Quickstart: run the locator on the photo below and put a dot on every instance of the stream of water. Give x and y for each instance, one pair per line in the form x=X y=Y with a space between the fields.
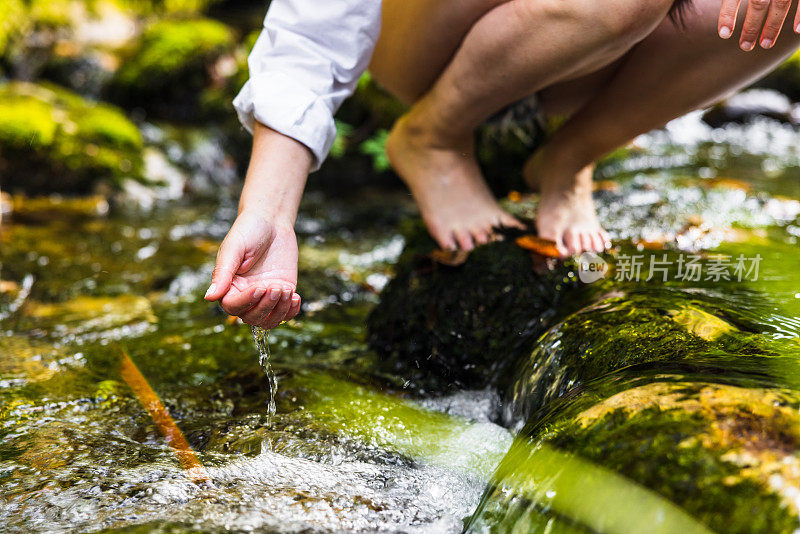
x=347 y=445
x=261 y=339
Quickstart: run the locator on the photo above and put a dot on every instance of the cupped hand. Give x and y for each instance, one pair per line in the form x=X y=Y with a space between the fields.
x=762 y=23
x=255 y=276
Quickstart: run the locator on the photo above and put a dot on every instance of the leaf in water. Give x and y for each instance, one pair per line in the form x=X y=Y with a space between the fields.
x=451 y=258
x=606 y=185
x=543 y=247
x=728 y=183
x=650 y=244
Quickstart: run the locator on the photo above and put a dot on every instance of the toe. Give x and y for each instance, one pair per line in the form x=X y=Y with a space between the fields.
x=507 y=220
x=586 y=242
x=572 y=242
x=464 y=240
x=481 y=236
x=444 y=239
x=598 y=244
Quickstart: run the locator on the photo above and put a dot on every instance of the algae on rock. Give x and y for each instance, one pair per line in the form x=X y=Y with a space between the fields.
x=166 y=73
x=52 y=140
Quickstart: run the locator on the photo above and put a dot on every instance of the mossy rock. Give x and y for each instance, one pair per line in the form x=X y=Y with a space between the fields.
x=171 y=67
x=727 y=455
x=786 y=78
x=467 y=323
x=165 y=7
x=12 y=21
x=52 y=140
x=639 y=328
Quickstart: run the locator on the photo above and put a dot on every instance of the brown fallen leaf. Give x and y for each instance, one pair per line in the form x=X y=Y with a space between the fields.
x=651 y=244
x=606 y=185
x=543 y=247
x=728 y=183
x=451 y=258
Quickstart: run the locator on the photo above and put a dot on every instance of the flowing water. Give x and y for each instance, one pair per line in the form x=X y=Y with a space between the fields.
x=261 y=339
x=110 y=356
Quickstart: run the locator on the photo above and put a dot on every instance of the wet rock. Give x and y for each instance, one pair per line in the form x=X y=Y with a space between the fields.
x=52 y=140
x=85 y=314
x=654 y=327
x=166 y=72
x=786 y=78
x=744 y=106
x=42 y=210
x=439 y=325
x=727 y=455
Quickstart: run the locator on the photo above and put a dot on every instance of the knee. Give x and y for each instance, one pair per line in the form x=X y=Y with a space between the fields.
x=631 y=20
x=617 y=20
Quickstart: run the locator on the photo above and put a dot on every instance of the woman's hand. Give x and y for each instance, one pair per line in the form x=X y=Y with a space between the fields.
x=255 y=276
x=764 y=18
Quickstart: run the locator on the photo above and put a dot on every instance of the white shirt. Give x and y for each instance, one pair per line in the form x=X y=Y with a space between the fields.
x=305 y=63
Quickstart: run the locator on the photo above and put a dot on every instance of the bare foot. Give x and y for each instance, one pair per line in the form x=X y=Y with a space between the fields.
x=456 y=204
x=566 y=212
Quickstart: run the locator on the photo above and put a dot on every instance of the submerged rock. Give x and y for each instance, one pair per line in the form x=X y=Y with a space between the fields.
x=728 y=455
x=52 y=140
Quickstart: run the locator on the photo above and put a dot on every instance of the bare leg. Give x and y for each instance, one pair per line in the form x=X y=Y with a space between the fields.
x=515 y=49
x=668 y=74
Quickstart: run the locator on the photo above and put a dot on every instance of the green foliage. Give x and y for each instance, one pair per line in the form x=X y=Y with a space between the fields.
x=165 y=7
x=339 y=147
x=13 y=19
x=54 y=140
x=375 y=148
x=169 y=69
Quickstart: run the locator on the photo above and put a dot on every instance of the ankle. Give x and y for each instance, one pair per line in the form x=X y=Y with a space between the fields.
x=425 y=124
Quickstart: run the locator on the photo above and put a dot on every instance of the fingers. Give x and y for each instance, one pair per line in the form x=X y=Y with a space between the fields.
x=796 y=24
x=237 y=302
x=259 y=313
x=727 y=18
x=753 y=22
x=778 y=11
x=229 y=258
x=281 y=310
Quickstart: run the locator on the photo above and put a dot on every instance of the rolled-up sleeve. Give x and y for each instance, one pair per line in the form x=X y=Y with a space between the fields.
x=305 y=63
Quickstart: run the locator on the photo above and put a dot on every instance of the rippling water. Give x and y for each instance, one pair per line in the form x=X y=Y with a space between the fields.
x=342 y=445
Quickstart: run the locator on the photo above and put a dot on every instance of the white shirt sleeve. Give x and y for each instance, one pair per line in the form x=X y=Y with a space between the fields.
x=305 y=63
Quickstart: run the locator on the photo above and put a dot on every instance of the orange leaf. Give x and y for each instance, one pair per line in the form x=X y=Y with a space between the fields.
x=163 y=420
x=543 y=247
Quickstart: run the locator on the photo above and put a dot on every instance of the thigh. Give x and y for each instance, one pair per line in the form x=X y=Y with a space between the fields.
x=418 y=39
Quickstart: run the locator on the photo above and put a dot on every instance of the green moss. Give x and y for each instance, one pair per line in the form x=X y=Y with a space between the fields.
x=698 y=474
x=169 y=69
x=165 y=7
x=54 y=140
x=466 y=323
x=12 y=21
x=714 y=450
